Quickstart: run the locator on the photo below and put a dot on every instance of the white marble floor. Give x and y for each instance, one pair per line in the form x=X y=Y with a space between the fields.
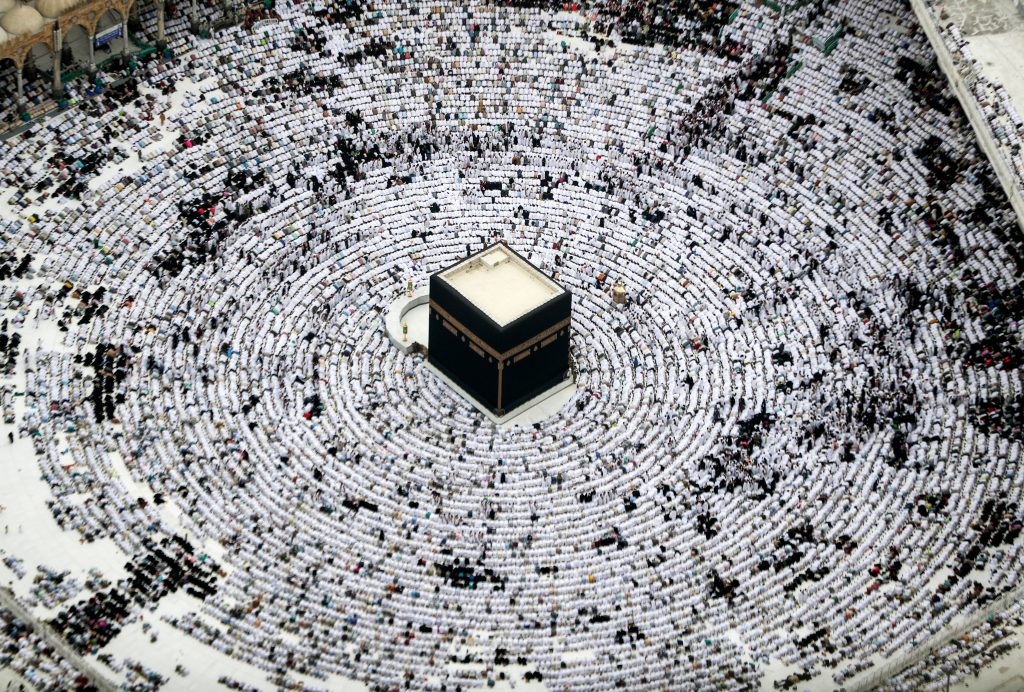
x=994 y=30
x=1001 y=57
x=28 y=530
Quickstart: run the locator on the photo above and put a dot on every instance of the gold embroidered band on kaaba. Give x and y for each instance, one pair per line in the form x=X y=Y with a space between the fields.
x=480 y=344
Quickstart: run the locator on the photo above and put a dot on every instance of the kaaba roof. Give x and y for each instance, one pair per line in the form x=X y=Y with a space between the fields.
x=501 y=284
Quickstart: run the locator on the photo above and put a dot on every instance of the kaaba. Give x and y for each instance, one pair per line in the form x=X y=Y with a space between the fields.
x=499 y=328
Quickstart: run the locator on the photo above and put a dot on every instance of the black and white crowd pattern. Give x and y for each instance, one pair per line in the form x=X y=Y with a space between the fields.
x=796 y=448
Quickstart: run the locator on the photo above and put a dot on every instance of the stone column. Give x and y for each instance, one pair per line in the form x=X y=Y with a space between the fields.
x=58 y=46
x=161 y=40
x=124 y=36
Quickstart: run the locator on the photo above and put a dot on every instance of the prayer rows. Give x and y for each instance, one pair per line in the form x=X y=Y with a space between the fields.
x=794 y=445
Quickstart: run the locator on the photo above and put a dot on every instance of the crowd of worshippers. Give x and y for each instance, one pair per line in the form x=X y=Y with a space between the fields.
x=817 y=414
x=966 y=656
x=996 y=104
x=109 y=82
x=10 y=346
x=26 y=653
x=163 y=569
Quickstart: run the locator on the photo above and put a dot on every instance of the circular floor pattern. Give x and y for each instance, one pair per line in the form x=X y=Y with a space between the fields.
x=751 y=437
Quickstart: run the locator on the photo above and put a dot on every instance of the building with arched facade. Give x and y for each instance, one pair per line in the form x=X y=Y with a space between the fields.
x=47 y=23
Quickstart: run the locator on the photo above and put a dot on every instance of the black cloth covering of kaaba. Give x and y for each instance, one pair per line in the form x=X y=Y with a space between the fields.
x=501 y=367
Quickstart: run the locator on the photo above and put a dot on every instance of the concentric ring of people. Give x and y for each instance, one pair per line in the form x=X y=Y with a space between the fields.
x=793 y=444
